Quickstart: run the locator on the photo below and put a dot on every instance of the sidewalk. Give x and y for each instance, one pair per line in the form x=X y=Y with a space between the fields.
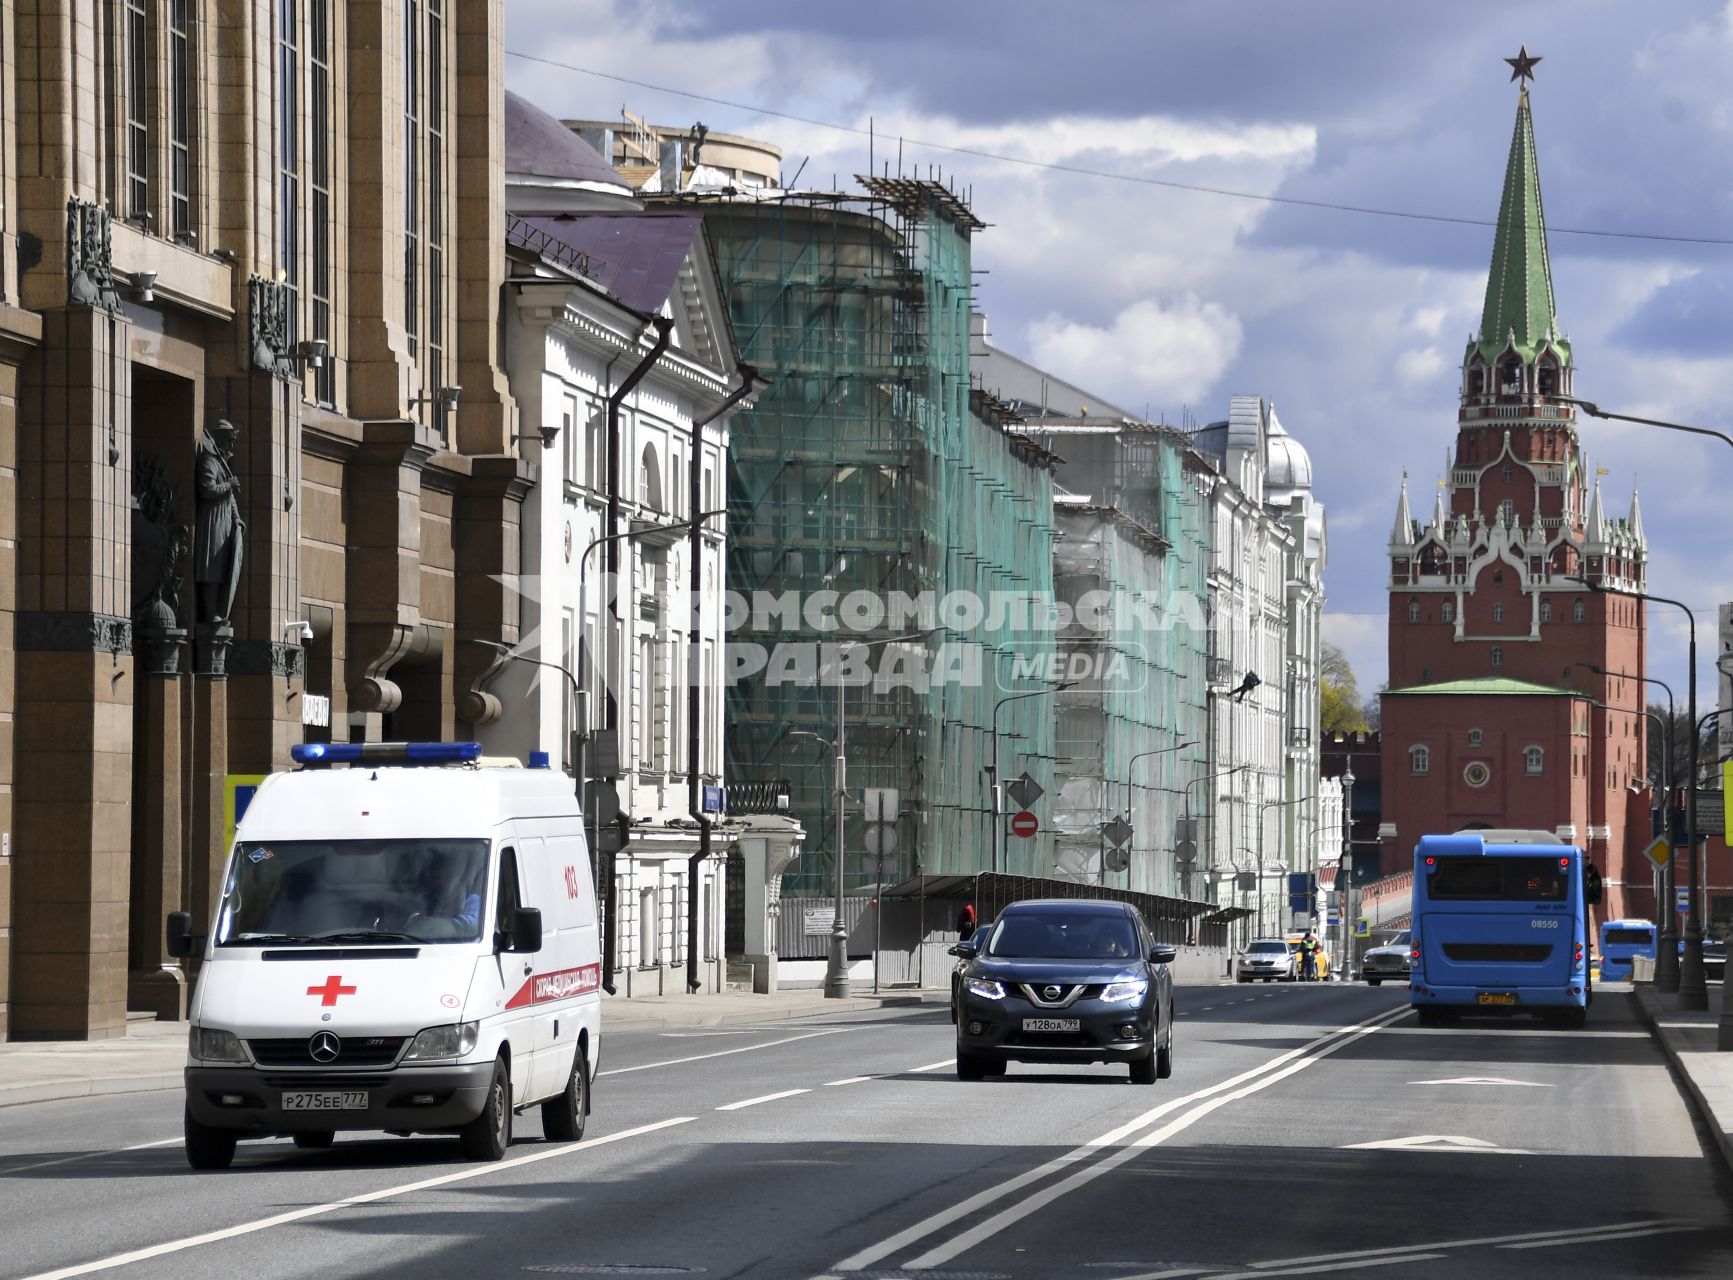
x=151 y=1054
x=1688 y=1040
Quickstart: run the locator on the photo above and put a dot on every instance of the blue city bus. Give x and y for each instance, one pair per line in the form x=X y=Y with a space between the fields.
x=1500 y=926
x=1621 y=942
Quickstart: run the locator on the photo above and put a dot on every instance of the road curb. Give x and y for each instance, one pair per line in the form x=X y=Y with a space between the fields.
x=64 y=1090
x=1700 y=1104
x=636 y=1020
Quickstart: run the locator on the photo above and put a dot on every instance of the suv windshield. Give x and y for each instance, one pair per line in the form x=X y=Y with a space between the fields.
x=1068 y=935
x=1268 y=948
x=296 y=892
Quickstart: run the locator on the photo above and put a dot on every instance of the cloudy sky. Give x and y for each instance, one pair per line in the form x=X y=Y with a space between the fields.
x=1170 y=300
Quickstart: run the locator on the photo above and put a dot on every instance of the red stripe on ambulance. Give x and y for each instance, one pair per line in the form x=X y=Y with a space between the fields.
x=559 y=985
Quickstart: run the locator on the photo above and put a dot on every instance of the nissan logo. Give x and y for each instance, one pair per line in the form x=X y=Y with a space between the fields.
x=324 y=1047
x=1051 y=993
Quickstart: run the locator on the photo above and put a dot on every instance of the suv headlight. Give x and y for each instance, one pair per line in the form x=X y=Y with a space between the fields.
x=986 y=988
x=451 y=1041
x=1119 y=992
x=207 y=1044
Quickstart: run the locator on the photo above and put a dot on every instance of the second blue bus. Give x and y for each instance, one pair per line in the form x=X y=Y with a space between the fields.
x=1500 y=926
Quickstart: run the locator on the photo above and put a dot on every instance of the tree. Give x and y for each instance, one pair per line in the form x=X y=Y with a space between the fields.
x=1338 y=693
x=1373 y=709
x=1679 y=733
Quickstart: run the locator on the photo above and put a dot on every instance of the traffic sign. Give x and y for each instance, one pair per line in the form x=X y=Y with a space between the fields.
x=1024 y=824
x=880 y=839
x=1025 y=791
x=1659 y=852
x=1118 y=832
x=1682 y=895
x=1362 y=928
x=1116 y=859
x=881 y=804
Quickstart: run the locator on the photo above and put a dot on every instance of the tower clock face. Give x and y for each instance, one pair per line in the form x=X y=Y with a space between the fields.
x=1476 y=773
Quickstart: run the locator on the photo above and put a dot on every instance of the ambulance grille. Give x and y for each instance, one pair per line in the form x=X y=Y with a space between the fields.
x=359 y=1051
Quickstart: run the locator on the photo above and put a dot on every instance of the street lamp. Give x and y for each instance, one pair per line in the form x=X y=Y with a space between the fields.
x=1666 y=934
x=836 y=970
x=996 y=834
x=1268 y=804
x=1345 y=869
x=1130 y=771
x=1693 y=989
x=1599 y=412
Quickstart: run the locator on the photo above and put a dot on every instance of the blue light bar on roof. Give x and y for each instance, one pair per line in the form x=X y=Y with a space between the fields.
x=385 y=752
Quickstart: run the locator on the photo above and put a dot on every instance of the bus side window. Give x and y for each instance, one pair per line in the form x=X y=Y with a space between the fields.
x=1591 y=884
x=506 y=909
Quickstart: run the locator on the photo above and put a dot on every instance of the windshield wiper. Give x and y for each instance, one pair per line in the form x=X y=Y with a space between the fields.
x=252 y=939
x=364 y=935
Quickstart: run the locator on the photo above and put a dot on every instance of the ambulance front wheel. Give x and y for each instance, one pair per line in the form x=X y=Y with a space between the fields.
x=208 y=1147
x=488 y=1135
x=563 y=1115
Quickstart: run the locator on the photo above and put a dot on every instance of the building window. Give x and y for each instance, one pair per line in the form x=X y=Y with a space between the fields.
x=289 y=157
x=1474 y=737
x=1419 y=760
x=650 y=480
x=649 y=930
x=1414 y=611
x=1546 y=610
x=1447 y=611
x=412 y=141
x=1507 y=475
x=1576 y=611
x=595 y=447
x=1498 y=612
x=135 y=147
x=1497 y=657
x=181 y=120
x=1532 y=760
x=1506 y=511
x=435 y=234
x=319 y=221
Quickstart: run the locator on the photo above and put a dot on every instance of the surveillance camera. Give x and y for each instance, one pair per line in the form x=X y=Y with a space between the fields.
x=449 y=395
x=143 y=285
x=298 y=629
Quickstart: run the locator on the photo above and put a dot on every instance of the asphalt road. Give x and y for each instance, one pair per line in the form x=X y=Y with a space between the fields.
x=1307 y=1130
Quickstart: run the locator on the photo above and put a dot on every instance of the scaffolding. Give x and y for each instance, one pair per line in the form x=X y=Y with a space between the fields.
x=864 y=473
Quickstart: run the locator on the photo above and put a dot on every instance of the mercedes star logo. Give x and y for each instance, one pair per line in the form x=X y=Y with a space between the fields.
x=1050 y=993
x=324 y=1047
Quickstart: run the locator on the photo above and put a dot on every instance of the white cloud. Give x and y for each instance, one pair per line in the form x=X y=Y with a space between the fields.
x=1423 y=365
x=1173 y=353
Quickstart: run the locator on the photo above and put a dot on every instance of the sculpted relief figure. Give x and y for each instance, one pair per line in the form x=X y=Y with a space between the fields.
x=217 y=567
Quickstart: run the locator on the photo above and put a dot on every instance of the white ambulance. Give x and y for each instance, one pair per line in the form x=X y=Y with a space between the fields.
x=406 y=944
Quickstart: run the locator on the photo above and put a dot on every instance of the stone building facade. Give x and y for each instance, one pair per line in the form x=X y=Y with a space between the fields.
x=286 y=216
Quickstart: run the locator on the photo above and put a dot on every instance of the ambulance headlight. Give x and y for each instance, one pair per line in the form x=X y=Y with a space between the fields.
x=207 y=1044
x=444 y=1042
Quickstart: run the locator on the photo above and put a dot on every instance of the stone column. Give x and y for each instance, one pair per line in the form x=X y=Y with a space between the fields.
x=154 y=978
x=767 y=846
x=207 y=751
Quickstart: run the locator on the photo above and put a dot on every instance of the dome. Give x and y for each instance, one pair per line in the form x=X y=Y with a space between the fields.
x=1289 y=466
x=537 y=146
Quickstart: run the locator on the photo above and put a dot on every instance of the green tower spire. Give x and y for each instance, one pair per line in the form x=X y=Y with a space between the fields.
x=1519 y=296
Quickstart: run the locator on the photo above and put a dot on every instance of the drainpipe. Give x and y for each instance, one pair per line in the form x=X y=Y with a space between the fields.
x=664 y=332
x=694 y=667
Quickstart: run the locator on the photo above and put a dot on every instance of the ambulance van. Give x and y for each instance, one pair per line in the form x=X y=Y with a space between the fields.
x=405 y=940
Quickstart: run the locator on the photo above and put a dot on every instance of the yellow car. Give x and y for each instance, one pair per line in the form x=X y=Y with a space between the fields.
x=1293 y=941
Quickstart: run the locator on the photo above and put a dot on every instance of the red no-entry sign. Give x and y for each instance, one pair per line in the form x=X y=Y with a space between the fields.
x=1024 y=824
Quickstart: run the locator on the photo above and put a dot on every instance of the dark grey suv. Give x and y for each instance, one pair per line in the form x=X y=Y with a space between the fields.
x=1065 y=981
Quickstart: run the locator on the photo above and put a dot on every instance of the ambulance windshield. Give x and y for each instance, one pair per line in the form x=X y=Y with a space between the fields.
x=306 y=892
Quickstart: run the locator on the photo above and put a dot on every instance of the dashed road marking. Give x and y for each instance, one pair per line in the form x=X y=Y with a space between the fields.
x=769 y=1097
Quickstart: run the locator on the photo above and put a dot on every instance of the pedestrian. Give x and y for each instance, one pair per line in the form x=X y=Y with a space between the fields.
x=1309 y=957
x=966 y=922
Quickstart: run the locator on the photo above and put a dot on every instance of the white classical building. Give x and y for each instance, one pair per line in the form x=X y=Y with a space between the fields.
x=621 y=360
x=1266 y=601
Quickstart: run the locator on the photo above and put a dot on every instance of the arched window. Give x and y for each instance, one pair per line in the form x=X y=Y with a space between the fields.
x=1511 y=381
x=1414 y=611
x=1474 y=737
x=1419 y=760
x=1507 y=475
x=1548 y=378
x=1507 y=511
x=1497 y=657
x=1577 y=611
x=1447 y=611
x=1546 y=610
x=1498 y=612
x=1533 y=759
x=1476 y=381
x=650 y=480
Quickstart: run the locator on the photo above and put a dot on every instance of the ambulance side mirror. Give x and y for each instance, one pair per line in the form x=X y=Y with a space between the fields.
x=526 y=930
x=178 y=933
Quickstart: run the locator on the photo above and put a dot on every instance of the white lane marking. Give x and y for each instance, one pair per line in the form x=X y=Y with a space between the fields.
x=832 y=1084
x=1438 y=1142
x=938 y=1221
x=1504 y=1033
x=931 y=1066
x=1525 y=1084
x=1570 y=1233
x=769 y=1097
x=91 y=1155
x=369 y=1197
x=1329 y=1267
x=1597 y=1237
x=721 y=1053
x=1206 y=1008
x=1026 y=1208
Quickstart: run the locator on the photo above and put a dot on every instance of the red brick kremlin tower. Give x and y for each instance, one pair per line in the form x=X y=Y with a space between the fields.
x=1491 y=717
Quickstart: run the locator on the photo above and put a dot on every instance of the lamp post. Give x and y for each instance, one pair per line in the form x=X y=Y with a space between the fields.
x=1130 y=771
x=1345 y=870
x=1268 y=804
x=836 y=969
x=1666 y=933
x=1693 y=989
x=996 y=832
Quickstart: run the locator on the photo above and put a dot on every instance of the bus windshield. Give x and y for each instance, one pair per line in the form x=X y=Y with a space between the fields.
x=1498 y=879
